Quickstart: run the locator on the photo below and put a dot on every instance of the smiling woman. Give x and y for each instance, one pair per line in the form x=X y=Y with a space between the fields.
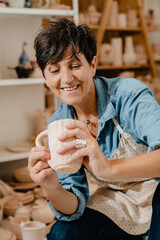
x=110 y=196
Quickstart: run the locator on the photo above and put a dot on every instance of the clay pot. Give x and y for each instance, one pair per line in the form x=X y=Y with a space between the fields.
x=6 y=234
x=14 y=223
x=22 y=174
x=106 y=54
x=11 y=206
x=23 y=211
x=42 y=213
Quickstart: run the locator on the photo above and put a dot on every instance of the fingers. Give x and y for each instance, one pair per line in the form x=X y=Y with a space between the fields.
x=38 y=153
x=75 y=144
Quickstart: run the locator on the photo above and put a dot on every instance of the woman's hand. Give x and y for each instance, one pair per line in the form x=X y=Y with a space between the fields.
x=93 y=157
x=40 y=172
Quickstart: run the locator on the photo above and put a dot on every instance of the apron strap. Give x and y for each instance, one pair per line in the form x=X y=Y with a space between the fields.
x=117 y=126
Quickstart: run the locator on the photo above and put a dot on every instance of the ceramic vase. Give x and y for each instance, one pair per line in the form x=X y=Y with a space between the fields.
x=117 y=49
x=129 y=57
x=113 y=17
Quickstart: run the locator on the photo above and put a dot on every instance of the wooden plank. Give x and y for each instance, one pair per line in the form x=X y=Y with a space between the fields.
x=146 y=37
x=104 y=20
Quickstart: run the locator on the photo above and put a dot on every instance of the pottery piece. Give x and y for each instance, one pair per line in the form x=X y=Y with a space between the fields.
x=106 y=54
x=113 y=17
x=117 y=48
x=59 y=162
x=14 y=223
x=42 y=213
x=21 y=174
x=132 y=18
x=129 y=57
x=33 y=230
x=11 y=206
x=6 y=234
x=129 y=74
x=5 y=189
x=24 y=211
x=122 y=20
x=141 y=54
x=16 y=3
x=1 y=213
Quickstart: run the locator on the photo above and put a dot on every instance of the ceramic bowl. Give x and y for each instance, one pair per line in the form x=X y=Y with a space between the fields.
x=6 y=234
x=22 y=175
x=42 y=213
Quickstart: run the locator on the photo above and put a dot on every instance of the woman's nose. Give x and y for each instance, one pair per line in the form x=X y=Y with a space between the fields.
x=67 y=76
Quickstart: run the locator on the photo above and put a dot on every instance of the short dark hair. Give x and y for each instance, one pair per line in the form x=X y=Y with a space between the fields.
x=52 y=42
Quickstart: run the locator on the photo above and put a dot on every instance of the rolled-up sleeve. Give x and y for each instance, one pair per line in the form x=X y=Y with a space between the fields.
x=77 y=184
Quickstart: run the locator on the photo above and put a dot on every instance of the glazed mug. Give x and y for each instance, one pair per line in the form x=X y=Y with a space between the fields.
x=59 y=162
x=33 y=230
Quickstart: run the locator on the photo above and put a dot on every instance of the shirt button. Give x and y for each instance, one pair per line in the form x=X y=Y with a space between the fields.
x=98 y=139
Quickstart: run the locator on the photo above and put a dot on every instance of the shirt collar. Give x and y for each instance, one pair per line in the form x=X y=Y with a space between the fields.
x=106 y=110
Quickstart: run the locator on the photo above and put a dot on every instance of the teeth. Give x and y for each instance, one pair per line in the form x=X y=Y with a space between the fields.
x=71 y=88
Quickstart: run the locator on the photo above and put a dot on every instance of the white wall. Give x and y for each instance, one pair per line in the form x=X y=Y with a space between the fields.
x=17 y=103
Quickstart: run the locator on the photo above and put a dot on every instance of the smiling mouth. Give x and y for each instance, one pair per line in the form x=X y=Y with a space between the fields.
x=70 y=88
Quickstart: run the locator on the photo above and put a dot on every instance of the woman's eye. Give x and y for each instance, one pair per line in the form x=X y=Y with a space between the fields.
x=75 y=66
x=54 y=71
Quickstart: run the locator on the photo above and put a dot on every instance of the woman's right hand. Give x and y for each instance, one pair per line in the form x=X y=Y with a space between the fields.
x=40 y=171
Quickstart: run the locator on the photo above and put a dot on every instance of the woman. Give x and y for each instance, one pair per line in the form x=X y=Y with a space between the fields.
x=119 y=119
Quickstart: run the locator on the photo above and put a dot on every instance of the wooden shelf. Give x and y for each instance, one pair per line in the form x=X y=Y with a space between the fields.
x=6 y=156
x=107 y=67
x=34 y=12
x=125 y=29
x=21 y=81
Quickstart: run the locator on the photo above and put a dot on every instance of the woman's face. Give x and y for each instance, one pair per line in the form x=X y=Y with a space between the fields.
x=71 y=79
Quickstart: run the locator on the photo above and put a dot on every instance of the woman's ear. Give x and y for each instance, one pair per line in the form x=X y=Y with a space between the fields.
x=94 y=65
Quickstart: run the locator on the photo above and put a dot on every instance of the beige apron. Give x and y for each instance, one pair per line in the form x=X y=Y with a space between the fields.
x=127 y=202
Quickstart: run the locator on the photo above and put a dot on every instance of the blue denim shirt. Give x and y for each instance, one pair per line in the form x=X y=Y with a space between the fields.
x=132 y=103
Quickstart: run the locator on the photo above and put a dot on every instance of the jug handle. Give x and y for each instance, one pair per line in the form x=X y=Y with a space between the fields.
x=40 y=137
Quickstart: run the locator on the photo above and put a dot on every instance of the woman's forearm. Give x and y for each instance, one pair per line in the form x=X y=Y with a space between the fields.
x=62 y=200
x=141 y=166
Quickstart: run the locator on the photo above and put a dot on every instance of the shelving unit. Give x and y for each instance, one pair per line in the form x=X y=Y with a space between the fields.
x=102 y=28
x=20 y=97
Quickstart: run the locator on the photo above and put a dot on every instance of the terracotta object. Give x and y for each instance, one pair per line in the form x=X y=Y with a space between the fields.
x=132 y=18
x=122 y=20
x=11 y=206
x=90 y=17
x=117 y=48
x=129 y=74
x=33 y=230
x=24 y=211
x=141 y=54
x=113 y=17
x=42 y=213
x=106 y=54
x=1 y=213
x=22 y=174
x=6 y=234
x=61 y=165
x=156 y=51
x=129 y=57
x=14 y=223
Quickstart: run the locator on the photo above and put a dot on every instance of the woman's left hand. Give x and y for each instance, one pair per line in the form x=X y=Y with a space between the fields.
x=93 y=157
